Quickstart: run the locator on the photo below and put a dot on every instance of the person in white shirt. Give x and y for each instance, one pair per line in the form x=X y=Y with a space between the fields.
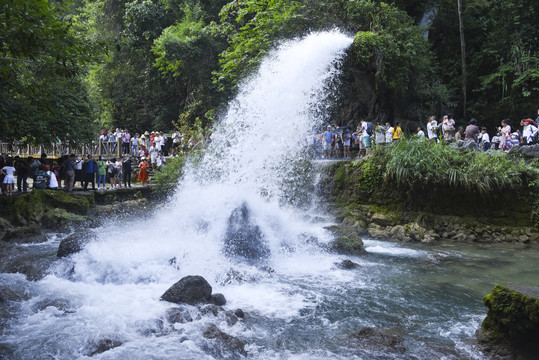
x=529 y=131
x=389 y=133
x=484 y=139
x=420 y=133
x=432 y=127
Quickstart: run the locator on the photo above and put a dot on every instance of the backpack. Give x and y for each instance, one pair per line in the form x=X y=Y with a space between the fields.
x=369 y=128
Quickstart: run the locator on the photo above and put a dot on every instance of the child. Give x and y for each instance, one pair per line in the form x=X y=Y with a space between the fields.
x=484 y=139
x=9 y=179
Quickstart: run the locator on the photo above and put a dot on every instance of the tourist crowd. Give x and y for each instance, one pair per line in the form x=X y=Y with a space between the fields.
x=337 y=142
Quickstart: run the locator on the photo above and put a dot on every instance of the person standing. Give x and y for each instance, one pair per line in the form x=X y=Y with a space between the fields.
x=126 y=141
x=78 y=171
x=22 y=168
x=9 y=180
x=505 y=132
x=529 y=132
x=127 y=169
x=432 y=126
x=143 y=174
x=389 y=133
x=397 y=132
x=420 y=133
x=134 y=144
x=472 y=131
x=70 y=172
x=101 y=172
x=91 y=169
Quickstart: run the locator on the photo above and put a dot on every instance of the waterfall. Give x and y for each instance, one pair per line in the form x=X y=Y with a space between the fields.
x=231 y=220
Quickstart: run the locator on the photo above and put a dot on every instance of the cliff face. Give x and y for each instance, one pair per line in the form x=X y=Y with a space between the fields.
x=380 y=208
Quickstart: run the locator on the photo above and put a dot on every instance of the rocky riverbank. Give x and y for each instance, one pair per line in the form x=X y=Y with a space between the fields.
x=25 y=217
x=379 y=208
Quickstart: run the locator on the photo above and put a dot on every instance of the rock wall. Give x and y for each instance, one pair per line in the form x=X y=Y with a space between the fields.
x=381 y=209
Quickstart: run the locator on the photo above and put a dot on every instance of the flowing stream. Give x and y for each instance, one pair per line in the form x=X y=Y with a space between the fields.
x=422 y=302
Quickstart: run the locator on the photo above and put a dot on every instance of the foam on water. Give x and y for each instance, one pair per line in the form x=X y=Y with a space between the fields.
x=111 y=289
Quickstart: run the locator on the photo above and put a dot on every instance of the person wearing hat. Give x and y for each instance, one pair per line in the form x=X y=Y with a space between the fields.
x=103 y=139
x=529 y=132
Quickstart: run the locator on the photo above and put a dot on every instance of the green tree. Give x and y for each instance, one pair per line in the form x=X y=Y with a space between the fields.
x=42 y=59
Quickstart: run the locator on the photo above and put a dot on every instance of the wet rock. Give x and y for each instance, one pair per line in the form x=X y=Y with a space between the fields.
x=59 y=219
x=30 y=208
x=513 y=317
x=243 y=238
x=100 y=346
x=378 y=341
x=25 y=234
x=149 y=327
x=60 y=304
x=224 y=342
x=346 y=240
x=5 y=225
x=178 y=315
x=189 y=290
x=347 y=265
x=383 y=219
x=239 y=313
x=74 y=243
x=218 y=299
x=210 y=309
x=231 y=318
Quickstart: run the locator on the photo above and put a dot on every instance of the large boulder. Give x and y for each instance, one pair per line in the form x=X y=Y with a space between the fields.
x=346 y=240
x=225 y=343
x=30 y=208
x=191 y=290
x=243 y=237
x=513 y=317
x=59 y=219
x=74 y=243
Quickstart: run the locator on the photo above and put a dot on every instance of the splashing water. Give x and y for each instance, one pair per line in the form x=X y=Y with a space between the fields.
x=233 y=221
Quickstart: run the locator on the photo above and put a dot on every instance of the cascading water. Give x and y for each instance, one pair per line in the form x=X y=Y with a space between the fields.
x=234 y=221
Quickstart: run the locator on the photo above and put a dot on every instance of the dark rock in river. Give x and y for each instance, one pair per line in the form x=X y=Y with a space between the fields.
x=189 y=290
x=225 y=343
x=512 y=322
x=243 y=237
x=347 y=240
x=100 y=346
x=74 y=243
x=179 y=315
x=379 y=341
x=25 y=234
x=218 y=299
x=347 y=265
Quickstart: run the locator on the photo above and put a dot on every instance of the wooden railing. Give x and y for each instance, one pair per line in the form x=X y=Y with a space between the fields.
x=57 y=150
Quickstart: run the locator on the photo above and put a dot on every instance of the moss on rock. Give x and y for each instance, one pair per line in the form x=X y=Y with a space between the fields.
x=30 y=208
x=513 y=314
x=347 y=240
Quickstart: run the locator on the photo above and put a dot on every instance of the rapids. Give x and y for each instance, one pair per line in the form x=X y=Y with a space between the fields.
x=299 y=304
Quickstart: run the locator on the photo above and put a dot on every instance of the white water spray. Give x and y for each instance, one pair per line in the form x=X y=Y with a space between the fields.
x=112 y=287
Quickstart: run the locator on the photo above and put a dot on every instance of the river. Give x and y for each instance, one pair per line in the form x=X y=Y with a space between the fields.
x=421 y=301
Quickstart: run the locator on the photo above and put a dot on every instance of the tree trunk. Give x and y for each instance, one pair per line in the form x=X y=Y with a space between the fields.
x=462 y=57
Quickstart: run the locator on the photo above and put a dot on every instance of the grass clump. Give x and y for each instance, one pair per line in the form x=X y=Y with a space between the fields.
x=415 y=163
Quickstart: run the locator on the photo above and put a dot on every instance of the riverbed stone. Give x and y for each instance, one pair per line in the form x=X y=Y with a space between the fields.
x=379 y=341
x=5 y=225
x=178 y=315
x=224 y=341
x=30 y=207
x=513 y=316
x=74 y=243
x=218 y=299
x=346 y=240
x=59 y=219
x=243 y=237
x=191 y=290
x=30 y=233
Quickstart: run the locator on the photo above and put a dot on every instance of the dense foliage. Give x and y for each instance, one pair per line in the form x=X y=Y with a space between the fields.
x=416 y=163
x=69 y=67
